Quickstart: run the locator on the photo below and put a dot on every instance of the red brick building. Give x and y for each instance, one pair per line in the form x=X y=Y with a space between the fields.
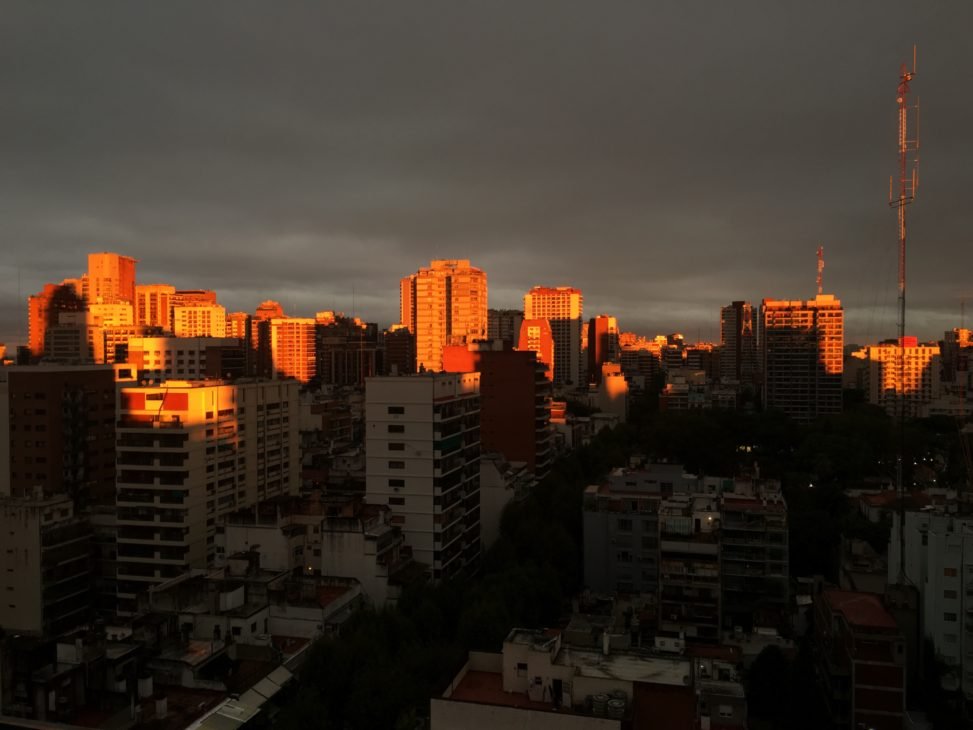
x=860 y=656
x=515 y=402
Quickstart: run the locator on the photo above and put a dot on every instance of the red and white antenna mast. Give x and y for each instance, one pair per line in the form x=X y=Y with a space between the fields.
x=900 y=199
x=908 y=171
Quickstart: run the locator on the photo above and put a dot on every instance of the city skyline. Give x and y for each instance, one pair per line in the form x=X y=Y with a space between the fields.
x=285 y=170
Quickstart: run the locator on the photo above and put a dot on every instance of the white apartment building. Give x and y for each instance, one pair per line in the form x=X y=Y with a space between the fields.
x=939 y=563
x=187 y=454
x=422 y=448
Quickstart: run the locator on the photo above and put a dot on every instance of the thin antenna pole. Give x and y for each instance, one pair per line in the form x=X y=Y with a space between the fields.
x=820 y=270
x=908 y=183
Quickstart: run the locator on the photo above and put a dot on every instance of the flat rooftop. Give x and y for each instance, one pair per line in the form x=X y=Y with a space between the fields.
x=487 y=688
x=862 y=610
x=625 y=666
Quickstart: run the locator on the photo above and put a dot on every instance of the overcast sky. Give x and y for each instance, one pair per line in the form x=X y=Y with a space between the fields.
x=665 y=157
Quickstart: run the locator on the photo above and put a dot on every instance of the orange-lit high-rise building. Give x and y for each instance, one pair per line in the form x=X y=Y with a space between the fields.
x=801 y=356
x=199 y=320
x=111 y=278
x=43 y=311
x=909 y=375
x=153 y=305
x=535 y=336
x=443 y=304
x=602 y=345
x=293 y=347
x=563 y=307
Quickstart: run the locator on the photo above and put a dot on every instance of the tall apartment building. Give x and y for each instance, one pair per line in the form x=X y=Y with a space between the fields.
x=422 y=448
x=57 y=431
x=536 y=337
x=754 y=556
x=443 y=304
x=738 y=337
x=939 y=563
x=346 y=349
x=189 y=453
x=400 y=350
x=153 y=305
x=563 y=307
x=293 y=347
x=801 y=356
x=603 y=345
x=203 y=319
x=504 y=324
x=906 y=375
x=860 y=656
x=45 y=565
x=957 y=352
x=111 y=278
x=689 y=567
x=44 y=310
x=515 y=402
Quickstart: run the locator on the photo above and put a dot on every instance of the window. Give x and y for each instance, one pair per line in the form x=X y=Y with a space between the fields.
x=949 y=594
x=397 y=500
x=236 y=631
x=949 y=616
x=950 y=638
x=625 y=525
x=396 y=428
x=396 y=410
x=949 y=572
x=396 y=447
x=521 y=669
x=726 y=710
x=396 y=483
x=396 y=465
x=253 y=627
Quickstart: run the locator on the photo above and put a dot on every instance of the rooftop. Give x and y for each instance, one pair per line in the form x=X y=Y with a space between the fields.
x=487 y=688
x=862 y=610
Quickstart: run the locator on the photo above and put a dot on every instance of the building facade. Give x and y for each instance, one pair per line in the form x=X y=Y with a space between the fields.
x=738 y=337
x=801 y=347
x=563 y=308
x=57 y=431
x=422 y=448
x=153 y=305
x=443 y=304
x=111 y=278
x=902 y=376
x=189 y=453
x=515 y=402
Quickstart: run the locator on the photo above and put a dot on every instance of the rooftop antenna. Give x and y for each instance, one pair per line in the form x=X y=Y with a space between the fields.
x=820 y=270
x=899 y=200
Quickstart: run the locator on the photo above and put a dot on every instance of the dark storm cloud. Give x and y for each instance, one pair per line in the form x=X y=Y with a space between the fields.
x=664 y=157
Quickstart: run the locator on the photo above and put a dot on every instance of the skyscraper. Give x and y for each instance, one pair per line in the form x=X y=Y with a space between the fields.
x=563 y=307
x=111 y=278
x=153 y=305
x=43 y=312
x=422 y=448
x=444 y=304
x=801 y=355
x=602 y=345
x=738 y=335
